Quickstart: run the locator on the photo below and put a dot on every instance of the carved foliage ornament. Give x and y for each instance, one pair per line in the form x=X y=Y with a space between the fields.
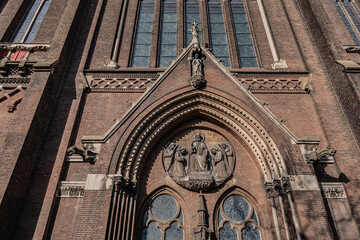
x=196 y=163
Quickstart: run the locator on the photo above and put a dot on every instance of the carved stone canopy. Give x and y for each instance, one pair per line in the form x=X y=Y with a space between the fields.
x=199 y=160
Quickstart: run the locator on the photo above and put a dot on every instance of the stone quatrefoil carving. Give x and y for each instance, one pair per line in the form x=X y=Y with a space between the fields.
x=199 y=166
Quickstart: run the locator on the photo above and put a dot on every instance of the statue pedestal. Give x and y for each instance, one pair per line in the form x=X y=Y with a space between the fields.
x=197 y=181
x=198 y=81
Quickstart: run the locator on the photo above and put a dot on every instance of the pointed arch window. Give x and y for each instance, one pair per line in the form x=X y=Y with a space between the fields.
x=141 y=53
x=163 y=219
x=351 y=18
x=168 y=39
x=31 y=22
x=236 y=219
x=243 y=35
x=192 y=13
x=218 y=37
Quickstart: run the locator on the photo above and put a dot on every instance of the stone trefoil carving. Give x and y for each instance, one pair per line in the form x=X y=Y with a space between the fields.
x=197 y=60
x=201 y=167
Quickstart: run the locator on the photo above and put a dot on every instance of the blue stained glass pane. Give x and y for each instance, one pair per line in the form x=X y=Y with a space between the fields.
x=145 y=27
x=244 y=39
x=250 y=233
x=170 y=17
x=168 y=27
x=218 y=39
x=30 y=17
x=141 y=50
x=236 y=208
x=151 y=232
x=246 y=51
x=248 y=62
x=174 y=232
x=164 y=207
x=140 y=61
x=242 y=28
x=228 y=233
x=216 y=18
x=240 y=17
x=219 y=50
x=168 y=38
x=167 y=50
x=143 y=38
x=192 y=13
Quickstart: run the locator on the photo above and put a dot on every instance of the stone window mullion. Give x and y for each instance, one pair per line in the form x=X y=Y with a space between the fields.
x=233 y=51
x=154 y=50
x=204 y=22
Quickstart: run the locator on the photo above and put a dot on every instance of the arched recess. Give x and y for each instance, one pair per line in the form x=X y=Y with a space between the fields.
x=200 y=103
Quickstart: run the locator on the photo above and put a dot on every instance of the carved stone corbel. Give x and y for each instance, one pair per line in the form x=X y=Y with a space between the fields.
x=323 y=156
x=86 y=154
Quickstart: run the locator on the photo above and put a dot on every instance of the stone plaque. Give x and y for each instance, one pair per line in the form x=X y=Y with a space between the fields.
x=199 y=160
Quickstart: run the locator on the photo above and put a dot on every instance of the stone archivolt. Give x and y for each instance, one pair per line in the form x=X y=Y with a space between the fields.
x=202 y=103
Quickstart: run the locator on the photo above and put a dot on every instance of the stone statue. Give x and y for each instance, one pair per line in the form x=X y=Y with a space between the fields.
x=168 y=156
x=199 y=155
x=178 y=168
x=197 y=65
x=219 y=164
x=86 y=154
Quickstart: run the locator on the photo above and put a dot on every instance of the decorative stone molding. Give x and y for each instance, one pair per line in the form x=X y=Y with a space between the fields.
x=276 y=84
x=349 y=66
x=120 y=82
x=69 y=189
x=86 y=154
x=30 y=47
x=332 y=190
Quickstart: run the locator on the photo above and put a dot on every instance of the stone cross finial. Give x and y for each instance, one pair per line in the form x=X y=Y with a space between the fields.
x=194 y=31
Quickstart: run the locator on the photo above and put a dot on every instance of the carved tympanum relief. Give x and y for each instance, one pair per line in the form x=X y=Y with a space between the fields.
x=199 y=160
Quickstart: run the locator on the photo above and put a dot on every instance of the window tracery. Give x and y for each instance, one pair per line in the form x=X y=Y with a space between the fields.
x=237 y=219
x=163 y=219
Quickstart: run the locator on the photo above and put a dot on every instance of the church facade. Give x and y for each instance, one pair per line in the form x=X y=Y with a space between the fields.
x=179 y=119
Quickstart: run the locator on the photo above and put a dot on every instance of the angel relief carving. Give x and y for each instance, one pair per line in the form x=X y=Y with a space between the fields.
x=199 y=168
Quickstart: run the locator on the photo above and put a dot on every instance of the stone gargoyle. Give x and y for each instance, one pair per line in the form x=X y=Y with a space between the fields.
x=87 y=155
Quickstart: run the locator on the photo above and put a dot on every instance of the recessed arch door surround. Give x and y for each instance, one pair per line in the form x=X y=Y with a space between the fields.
x=201 y=103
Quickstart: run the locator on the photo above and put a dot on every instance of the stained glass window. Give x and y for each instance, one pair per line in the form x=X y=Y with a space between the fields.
x=31 y=22
x=351 y=18
x=243 y=35
x=163 y=219
x=192 y=13
x=236 y=216
x=168 y=38
x=141 y=52
x=218 y=37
